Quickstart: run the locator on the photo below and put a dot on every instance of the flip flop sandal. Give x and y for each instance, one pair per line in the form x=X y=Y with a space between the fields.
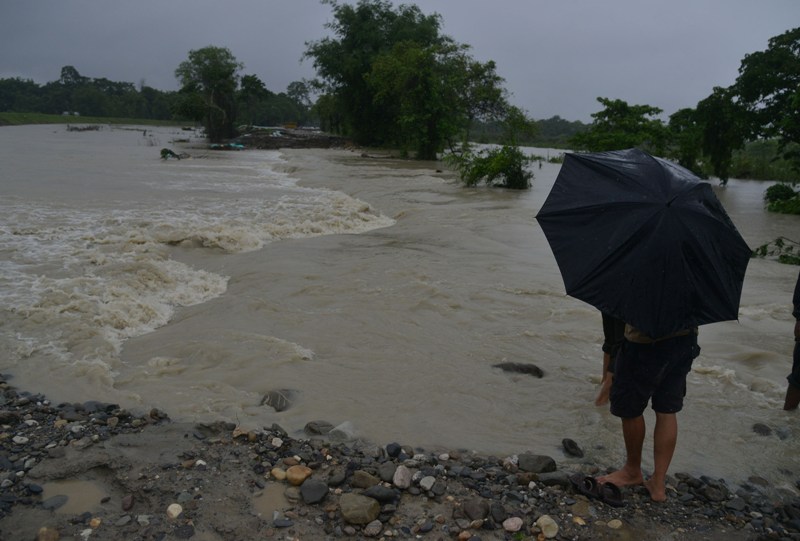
x=610 y=494
x=586 y=485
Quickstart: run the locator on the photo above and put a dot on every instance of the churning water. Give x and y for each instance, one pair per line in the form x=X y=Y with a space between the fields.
x=379 y=292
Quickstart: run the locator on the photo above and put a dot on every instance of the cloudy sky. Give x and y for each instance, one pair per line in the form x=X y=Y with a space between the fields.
x=557 y=56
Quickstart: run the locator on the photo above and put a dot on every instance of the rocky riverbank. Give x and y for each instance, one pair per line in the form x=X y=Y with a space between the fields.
x=95 y=471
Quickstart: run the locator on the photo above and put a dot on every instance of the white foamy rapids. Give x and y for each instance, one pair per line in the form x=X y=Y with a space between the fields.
x=77 y=281
x=79 y=291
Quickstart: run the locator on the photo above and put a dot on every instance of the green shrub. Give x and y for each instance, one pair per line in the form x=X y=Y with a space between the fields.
x=505 y=166
x=782 y=198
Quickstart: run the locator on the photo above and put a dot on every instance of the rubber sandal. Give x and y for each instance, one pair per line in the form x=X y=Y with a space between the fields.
x=610 y=494
x=586 y=485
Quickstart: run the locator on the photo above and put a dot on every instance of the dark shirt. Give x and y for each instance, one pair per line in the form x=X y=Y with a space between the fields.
x=796 y=299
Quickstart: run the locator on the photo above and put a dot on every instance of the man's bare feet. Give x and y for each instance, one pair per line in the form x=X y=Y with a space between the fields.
x=622 y=478
x=658 y=492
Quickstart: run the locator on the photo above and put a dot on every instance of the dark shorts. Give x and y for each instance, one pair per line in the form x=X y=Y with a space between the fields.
x=652 y=372
x=794 y=377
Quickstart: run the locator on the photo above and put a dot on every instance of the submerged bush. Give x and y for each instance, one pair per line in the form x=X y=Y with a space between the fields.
x=784 y=250
x=504 y=166
x=783 y=198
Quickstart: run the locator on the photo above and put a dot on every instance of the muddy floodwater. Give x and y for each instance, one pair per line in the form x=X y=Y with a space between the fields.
x=378 y=293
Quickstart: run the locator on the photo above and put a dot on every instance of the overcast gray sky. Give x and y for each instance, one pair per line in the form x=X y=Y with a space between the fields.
x=557 y=56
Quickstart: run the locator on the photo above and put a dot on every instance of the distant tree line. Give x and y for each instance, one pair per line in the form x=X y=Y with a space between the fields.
x=249 y=103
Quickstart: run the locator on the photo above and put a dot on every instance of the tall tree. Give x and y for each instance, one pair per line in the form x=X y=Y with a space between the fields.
x=768 y=87
x=415 y=84
x=723 y=130
x=395 y=80
x=361 y=33
x=620 y=125
x=212 y=73
x=251 y=96
x=300 y=92
x=71 y=77
x=687 y=139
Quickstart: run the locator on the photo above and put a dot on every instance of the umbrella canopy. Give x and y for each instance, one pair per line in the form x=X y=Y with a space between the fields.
x=644 y=240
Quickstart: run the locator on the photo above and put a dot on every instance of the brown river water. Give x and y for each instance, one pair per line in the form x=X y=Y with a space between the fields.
x=380 y=292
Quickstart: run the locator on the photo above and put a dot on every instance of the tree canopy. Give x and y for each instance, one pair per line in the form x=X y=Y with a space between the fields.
x=212 y=74
x=389 y=77
x=620 y=125
x=768 y=88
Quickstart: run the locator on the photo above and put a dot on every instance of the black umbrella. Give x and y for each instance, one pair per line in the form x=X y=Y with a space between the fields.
x=644 y=240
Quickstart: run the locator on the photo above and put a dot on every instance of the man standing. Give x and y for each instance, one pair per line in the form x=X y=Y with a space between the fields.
x=650 y=370
x=793 y=389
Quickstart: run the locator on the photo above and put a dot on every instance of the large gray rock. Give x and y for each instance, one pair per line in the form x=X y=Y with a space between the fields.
x=362 y=479
x=313 y=491
x=358 y=509
x=476 y=508
x=536 y=463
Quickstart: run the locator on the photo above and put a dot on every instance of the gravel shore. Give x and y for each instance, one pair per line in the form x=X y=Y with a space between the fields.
x=94 y=471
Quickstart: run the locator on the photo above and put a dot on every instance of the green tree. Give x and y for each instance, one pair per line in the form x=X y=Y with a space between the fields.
x=393 y=79
x=361 y=33
x=723 y=130
x=686 y=135
x=19 y=95
x=414 y=84
x=300 y=92
x=482 y=95
x=768 y=88
x=251 y=97
x=620 y=125
x=71 y=78
x=212 y=73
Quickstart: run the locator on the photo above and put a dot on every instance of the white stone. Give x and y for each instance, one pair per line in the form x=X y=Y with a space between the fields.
x=512 y=524
x=615 y=524
x=276 y=442
x=174 y=510
x=548 y=526
x=402 y=477
x=19 y=440
x=426 y=483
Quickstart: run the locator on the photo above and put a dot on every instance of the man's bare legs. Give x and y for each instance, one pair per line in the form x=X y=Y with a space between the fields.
x=605 y=383
x=665 y=437
x=633 y=431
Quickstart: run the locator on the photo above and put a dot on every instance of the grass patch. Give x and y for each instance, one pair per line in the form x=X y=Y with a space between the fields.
x=19 y=119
